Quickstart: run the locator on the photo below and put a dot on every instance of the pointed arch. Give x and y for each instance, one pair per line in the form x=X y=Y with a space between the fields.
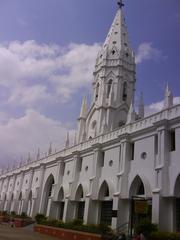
x=103 y=191
x=61 y=194
x=49 y=184
x=60 y=204
x=140 y=187
x=79 y=193
x=47 y=192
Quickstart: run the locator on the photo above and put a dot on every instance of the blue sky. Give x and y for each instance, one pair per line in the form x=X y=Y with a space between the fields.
x=47 y=54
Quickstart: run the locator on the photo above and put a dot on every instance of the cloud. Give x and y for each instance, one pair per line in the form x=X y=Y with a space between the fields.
x=146 y=51
x=29 y=95
x=28 y=133
x=44 y=71
x=158 y=106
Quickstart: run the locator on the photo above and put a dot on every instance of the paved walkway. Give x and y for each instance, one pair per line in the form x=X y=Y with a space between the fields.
x=8 y=233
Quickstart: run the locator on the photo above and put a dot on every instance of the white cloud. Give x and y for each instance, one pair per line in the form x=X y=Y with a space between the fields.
x=146 y=51
x=47 y=70
x=29 y=95
x=28 y=133
x=158 y=106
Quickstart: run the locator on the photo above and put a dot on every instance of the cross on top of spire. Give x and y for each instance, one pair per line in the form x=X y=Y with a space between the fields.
x=120 y=4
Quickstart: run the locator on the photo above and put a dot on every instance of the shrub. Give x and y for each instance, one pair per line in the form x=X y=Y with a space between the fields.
x=40 y=218
x=23 y=215
x=146 y=227
x=104 y=228
x=13 y=214
x=4 y=213
x=76 y=224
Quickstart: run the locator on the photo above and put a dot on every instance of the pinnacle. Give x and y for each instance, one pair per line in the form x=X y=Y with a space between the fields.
x=83 y=112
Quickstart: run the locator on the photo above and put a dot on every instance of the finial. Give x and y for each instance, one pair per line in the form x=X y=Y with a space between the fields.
x=50 y=149
x=120 y=4
x=67 y=140
x=38 y=154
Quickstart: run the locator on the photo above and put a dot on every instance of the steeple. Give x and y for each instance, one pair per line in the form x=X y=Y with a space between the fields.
x=168 y=98
x=113 y=85
x=117 y=39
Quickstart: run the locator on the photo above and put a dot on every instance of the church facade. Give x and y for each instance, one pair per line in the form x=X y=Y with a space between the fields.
x=123 y=166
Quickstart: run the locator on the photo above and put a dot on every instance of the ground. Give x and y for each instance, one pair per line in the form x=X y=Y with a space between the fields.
x=8 y=233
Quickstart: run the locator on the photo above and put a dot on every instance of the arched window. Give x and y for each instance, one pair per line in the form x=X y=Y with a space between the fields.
x=97 y=91
x=124 y=94
x=109 y=85
x=50 y=187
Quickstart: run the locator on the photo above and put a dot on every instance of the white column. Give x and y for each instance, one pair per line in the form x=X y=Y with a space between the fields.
x=156 y=207
x=49 y=206
x=86 y=209
x=115 y=212
x=32 y=208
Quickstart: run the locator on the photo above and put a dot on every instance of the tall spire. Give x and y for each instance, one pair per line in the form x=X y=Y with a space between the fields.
x=168 y=98
x=117 y=38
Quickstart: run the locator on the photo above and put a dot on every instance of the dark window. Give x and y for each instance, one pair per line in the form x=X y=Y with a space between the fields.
x=124 y=96
x=61 y=211
x=106 y=212
x=156 y=144
x=50 y=188
x=172 y=140
x=80 y=164
x=106 y=193
x=102 y=159
x=109 y=87
x=132 y=151
x=80 y=210
x=113 y=52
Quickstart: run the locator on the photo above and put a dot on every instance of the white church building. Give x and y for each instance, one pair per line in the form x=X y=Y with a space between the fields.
x=123 y=166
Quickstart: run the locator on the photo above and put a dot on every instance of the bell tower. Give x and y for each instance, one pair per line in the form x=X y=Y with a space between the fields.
x=114 y=80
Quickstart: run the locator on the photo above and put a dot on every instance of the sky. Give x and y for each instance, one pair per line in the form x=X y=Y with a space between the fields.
x=47 y=55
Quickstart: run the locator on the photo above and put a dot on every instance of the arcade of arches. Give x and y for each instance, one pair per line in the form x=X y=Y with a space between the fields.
x=103 y=207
